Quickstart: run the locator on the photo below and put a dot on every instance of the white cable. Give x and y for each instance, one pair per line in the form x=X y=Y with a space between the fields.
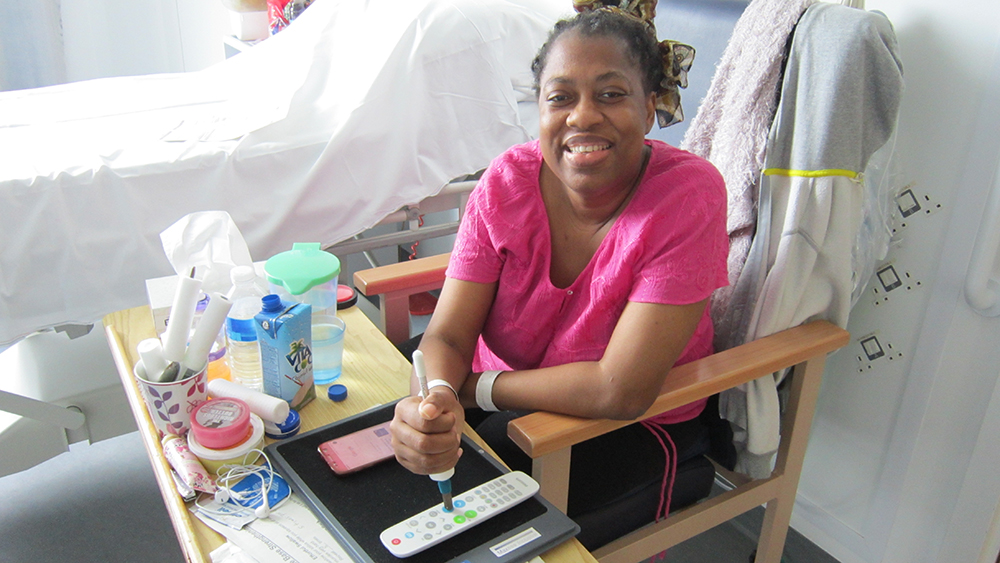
x=230 y=473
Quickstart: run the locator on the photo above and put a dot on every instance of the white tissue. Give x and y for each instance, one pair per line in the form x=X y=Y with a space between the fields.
x=210 y=242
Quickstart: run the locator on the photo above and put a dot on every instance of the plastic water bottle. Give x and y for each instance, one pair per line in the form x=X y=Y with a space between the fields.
x=243 y=350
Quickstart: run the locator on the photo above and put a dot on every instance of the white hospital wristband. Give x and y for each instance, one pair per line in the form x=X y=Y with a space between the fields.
x=440 y=383
x=484 y=390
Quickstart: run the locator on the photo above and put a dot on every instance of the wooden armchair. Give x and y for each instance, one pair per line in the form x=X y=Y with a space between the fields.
x=547 y=438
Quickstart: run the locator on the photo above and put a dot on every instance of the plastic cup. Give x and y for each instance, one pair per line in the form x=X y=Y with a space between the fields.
x=328 y=348
x=170 y=404
x=305 y=274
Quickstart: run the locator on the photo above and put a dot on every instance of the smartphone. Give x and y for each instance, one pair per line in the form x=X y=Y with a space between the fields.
x=358 y=450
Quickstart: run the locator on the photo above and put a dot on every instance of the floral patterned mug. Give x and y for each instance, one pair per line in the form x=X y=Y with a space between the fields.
x=170 y=404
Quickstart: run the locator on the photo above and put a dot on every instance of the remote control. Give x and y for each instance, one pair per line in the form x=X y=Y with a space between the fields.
x=435 y=524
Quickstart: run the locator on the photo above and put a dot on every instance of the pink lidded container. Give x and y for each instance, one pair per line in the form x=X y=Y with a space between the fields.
x=225 y=433
x=221 y=424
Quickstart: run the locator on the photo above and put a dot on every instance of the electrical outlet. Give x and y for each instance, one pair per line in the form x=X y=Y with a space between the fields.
x=873 y=349
x=891 y=281
x=910 y=206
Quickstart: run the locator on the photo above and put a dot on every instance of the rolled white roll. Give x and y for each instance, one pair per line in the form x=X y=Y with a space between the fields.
x=263 y=405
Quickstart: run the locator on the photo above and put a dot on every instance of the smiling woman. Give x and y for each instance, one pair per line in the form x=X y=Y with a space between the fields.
x=580 y=276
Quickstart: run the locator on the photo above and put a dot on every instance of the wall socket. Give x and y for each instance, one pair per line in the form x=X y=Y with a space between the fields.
x=873 y=349
x=890 y=281
x=910 y=206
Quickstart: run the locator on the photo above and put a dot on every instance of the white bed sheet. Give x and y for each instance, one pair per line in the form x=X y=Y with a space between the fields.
x=315 y=134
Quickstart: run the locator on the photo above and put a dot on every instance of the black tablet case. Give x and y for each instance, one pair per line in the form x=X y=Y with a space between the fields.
x=357 y=507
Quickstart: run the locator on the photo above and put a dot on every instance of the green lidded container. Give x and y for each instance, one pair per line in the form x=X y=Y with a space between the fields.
x=305 y=274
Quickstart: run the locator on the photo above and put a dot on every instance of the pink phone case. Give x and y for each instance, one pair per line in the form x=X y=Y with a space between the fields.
x=358 y=450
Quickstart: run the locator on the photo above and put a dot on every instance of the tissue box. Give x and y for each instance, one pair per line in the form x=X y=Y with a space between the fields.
x=160 y=293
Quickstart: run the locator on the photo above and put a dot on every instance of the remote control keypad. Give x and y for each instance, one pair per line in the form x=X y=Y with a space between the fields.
x=436 y=524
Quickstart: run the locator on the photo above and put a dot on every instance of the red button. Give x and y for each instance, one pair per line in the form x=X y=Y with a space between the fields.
x=395 y=541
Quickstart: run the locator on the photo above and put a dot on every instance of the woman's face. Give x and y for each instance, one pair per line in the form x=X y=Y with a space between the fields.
x=593 y=114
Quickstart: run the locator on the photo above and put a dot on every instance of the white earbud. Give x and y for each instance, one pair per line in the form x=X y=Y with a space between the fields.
x=236 y=473
x=264 y=510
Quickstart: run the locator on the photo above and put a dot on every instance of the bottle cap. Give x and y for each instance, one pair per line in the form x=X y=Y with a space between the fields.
x=241 y=330
x=271 y=303
x=337 y=393
x=303 y=267
x=286 y=429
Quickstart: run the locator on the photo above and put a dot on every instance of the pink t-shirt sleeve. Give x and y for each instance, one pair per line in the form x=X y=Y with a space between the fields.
x=474 y=256
x=686 y=240
x=501 y=212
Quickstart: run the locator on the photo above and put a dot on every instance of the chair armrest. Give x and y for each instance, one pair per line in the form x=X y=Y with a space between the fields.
x=542 y=433
x=395 y=283
x=402 y=276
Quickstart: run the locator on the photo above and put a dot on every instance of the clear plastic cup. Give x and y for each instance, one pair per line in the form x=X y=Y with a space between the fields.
x=328 y=348
x=305 y=274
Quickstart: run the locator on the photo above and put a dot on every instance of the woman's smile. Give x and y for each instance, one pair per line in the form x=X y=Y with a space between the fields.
x=585 y=153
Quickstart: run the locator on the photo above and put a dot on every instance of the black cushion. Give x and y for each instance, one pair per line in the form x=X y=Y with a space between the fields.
x=600 y=526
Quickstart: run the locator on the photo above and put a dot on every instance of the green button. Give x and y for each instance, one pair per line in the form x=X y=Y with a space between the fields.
x=459 y=519
x=470 y=513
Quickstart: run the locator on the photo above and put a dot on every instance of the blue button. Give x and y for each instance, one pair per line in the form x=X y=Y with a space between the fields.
x=459 y=503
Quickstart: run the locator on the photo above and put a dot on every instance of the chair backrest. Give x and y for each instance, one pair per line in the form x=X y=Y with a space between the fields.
x=839 y=96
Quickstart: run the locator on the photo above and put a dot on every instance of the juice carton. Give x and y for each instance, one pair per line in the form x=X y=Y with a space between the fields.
x=284 y=331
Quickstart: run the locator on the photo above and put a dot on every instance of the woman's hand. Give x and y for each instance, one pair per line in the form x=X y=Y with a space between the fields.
x=427 y=433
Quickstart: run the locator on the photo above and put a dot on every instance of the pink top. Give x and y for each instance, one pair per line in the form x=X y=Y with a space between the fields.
x=668 y=246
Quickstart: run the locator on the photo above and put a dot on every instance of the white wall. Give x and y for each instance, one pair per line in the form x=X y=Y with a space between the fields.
x=123 y=37
x=54 y=41
x=31 y=49
x=896 y=465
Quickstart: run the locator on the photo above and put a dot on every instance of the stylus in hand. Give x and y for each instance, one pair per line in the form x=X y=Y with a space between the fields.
x=443 y=479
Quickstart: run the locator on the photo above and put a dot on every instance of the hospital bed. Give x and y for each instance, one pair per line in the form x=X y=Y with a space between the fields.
x=353 y=115
x=315 y=134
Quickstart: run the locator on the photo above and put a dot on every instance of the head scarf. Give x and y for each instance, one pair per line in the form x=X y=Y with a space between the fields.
x=677 y=57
